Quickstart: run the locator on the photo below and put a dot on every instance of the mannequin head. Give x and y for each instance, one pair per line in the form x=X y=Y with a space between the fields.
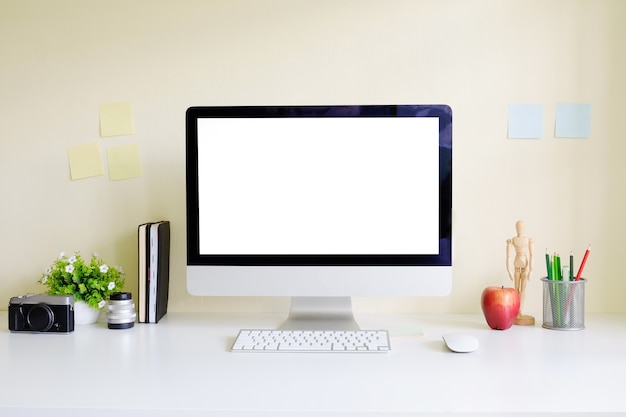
x=519 y=227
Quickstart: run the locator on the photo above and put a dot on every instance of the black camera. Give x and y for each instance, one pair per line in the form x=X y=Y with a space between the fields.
x=41 y=313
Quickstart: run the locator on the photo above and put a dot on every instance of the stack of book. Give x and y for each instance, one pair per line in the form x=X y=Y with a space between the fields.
x=154 y=271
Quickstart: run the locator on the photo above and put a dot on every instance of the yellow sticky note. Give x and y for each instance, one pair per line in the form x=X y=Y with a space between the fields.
x=85 y=161
x=124 y=162
x=116 y=119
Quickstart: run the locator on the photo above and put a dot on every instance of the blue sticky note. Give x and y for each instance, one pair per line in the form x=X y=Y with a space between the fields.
x=573 y=120
x=525 y=121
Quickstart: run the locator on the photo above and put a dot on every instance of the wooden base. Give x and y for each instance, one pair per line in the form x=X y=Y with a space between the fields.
x=524 y=320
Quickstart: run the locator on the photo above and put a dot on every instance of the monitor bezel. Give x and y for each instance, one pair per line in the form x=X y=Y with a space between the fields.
x=442 y=112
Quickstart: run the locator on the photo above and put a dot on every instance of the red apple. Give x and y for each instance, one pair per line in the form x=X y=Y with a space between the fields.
x=500 y=306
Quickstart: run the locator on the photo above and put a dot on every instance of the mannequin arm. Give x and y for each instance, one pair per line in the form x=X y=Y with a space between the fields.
x=531 y=258
x=509 y=245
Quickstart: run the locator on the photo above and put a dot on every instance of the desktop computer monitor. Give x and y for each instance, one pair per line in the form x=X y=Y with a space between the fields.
x=319 y=203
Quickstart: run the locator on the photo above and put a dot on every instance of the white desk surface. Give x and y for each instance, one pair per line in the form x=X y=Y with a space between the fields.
x=182 y=366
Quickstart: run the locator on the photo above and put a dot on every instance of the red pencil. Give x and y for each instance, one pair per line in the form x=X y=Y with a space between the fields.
x=582 y=264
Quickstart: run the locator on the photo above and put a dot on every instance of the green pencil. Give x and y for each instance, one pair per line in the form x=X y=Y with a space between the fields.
x=548 y=265
x=557 y=289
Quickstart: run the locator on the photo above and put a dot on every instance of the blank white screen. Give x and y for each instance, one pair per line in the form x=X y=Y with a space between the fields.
x=318 y=185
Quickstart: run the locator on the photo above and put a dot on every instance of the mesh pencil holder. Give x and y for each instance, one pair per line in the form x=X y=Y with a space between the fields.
x=564 y=304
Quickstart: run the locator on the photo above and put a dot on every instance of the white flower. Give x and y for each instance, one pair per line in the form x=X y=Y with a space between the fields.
x=61 y=255
x=104 y=268
x=44 y=279
x=72 y=259
x=111 y=285
x=101 y=304
x=69 y=268
x=48 y=271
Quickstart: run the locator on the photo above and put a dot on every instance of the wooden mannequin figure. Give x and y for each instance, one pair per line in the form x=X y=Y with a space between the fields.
x=521 y=266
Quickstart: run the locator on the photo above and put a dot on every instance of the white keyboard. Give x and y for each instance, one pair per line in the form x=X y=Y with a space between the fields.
x=311 y=341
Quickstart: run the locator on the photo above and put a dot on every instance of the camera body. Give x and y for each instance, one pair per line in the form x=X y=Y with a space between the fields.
x=41 y=313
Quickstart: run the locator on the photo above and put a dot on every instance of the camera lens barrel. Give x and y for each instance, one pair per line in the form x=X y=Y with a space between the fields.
x=40 y=318
x=121 y=311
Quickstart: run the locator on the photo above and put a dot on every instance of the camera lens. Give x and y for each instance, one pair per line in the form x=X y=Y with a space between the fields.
x=121 y=311
x=40 y=318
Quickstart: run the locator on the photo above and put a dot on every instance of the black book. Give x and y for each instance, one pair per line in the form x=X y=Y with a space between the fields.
x=154 y=270
x=143 y=258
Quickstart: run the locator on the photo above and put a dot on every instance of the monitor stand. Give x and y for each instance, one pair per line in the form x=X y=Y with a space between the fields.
x=320 y=313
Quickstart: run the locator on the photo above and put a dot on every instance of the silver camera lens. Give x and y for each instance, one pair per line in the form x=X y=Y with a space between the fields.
x=121 y=311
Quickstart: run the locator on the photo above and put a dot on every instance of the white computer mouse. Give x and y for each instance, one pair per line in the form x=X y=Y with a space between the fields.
x=461 y=343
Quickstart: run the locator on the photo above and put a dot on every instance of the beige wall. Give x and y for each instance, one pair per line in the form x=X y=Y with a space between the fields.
x=59 y=60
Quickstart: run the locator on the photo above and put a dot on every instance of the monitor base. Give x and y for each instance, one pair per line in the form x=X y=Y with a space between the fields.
x=320 y=313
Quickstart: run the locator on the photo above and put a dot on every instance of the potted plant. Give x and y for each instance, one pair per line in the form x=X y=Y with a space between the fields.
x=91 y=283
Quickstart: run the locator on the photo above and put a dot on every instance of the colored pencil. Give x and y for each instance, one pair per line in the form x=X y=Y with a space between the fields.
x=582 y=264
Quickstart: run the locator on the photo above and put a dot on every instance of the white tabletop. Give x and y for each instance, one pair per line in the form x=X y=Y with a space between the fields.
x=182 y=366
